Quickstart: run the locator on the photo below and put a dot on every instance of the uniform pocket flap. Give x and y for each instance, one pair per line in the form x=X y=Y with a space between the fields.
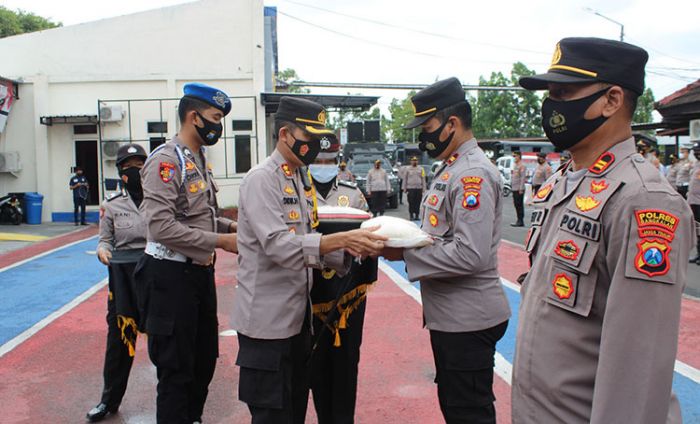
x=266 y=360
x=571 y=291
x=158 y=326
x=574 y=251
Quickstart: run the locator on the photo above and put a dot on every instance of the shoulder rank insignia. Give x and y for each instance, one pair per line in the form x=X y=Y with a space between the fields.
x=602 y=163
x=471 y=200
x=586 y=203
x=189 y=166
x=286 y=170
x=598 y=186
x=563 y=286
x=452 y=159
x=343 y=201
x=166 y=171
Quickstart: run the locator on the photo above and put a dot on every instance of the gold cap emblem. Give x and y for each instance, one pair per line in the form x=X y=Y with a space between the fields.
x=557 y=55
x=322 y=117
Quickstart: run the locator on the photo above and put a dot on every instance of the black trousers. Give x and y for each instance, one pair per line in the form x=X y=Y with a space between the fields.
x=274 y=378
x=118 y=358
x=518 y=203
x=696 y=214
x=179 y=306
x=683 y=190
x=536 y=188
x=79 y=203
x=415 y=195
x=464 y=374
x=378 y=202
x=334 y=370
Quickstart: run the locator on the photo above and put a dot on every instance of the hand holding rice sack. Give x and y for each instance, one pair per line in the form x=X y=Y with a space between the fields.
x=402 y=233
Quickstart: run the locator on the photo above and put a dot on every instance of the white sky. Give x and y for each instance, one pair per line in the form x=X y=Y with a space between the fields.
x=469 y=38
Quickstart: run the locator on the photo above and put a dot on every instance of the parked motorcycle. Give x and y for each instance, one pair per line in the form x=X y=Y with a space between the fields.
x=10 y=210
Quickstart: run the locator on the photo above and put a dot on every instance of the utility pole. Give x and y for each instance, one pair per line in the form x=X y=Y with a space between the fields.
x=622 y=26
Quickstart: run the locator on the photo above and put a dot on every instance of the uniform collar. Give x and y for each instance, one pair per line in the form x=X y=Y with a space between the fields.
x=186 y=150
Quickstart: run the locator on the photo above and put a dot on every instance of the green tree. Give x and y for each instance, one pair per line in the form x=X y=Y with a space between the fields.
x=19 y=22
x=288 y=75
x=506 y=114
x=401 y=111
x=645 y=106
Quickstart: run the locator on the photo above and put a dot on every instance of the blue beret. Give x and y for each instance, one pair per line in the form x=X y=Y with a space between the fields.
x=210 y=95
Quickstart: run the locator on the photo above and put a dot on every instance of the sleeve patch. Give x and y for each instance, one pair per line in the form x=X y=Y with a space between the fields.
x=652 y=257
x=471 y=199
x=166 y=171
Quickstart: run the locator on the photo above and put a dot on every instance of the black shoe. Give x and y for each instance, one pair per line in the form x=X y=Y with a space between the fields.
x=517 y=224
x=84 y=223
x=694 y=260
x=99 y=412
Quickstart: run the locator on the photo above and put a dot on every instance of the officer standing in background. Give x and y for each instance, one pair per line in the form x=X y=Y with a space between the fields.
x=672 y=173
x=608 y=248
x=344 y=174
x=464 y=305
x=542 y=172
x=278 y=248
x=517 y=185
x=177 y=272
x=335 y=360
x=684 y=168
x=413 y=183
x=79 y=186
x=694 y=198
x=377 y=188
x=122 y=240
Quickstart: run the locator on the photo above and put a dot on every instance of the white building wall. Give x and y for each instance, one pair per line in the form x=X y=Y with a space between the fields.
x=148 y=55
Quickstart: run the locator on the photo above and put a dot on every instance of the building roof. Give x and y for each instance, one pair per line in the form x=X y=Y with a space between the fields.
x=334 y=102
x=679 y=108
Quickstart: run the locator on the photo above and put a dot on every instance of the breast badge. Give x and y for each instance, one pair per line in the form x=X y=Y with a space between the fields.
x=343 y=201
x=433 y=219
x=598 y=186
x=544 y=191
x=562 y=286
x=567 y=249
x=288 y=190
x=586 y=203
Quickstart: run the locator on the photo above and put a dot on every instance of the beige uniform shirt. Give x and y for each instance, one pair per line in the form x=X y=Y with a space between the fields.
x=542 y=172
x=121 y=226
x=413 y=178
x=277 y=249
x=684 y=167
x=517 y=178
x=672 y=175
x=179 y=202
x=345 y=194
x=345 y=176
x=600 y=308
x=378 y=180
x=694 y=187
x=458 y=274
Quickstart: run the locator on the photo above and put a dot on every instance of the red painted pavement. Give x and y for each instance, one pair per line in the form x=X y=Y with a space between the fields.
x=56 y=376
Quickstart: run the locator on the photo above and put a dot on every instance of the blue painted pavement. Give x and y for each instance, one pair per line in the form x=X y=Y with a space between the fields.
x=687 y=390
x=32 y=291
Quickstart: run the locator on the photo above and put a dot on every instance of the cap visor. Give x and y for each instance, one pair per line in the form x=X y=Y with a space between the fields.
x=539 y=82
x=418 y=121
x=318 y=131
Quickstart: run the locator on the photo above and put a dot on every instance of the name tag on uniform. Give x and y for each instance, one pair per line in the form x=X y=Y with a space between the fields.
x=538 y=216
x=440 y=186
x=290 y=200
x=577 y=224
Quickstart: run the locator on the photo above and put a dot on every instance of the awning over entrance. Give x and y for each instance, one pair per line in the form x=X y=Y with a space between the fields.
x=68 y=119
x=333 y=102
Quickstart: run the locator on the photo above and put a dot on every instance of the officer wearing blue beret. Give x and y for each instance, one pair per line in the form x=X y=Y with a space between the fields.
x=177 y=272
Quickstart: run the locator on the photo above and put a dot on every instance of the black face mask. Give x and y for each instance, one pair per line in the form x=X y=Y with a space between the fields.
x=563 y=121
x=306 y=151
x=210 y=132
x=430 y=141
x=133 y=179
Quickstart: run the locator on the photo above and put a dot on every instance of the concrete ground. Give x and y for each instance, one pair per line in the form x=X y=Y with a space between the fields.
x=517 y=235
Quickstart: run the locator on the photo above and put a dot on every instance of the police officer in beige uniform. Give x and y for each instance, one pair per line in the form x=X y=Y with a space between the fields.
x=684 y=168
x=600 y=309
x=378 y=187
x=122 y=240
x=694 y=198
x=542 y=172
x=464 y=304
x=344 y=174
x=278 y=249
x=177 y=272
x=338 y=303
x=517 y=185
x=413 y=183
x=672 y=173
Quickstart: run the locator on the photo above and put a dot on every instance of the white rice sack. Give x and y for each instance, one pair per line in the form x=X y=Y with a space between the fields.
x=342 y=212
x=401 y=232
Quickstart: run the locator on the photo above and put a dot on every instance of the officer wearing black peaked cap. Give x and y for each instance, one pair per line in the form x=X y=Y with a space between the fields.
x=608 y=245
